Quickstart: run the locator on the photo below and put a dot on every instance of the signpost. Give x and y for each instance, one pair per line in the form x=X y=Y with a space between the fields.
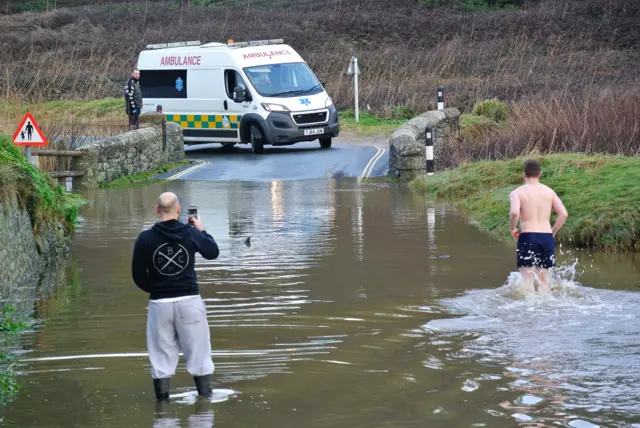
x=29 y=134
x=354 y=70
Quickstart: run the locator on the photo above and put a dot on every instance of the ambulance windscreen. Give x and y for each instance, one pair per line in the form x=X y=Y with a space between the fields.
x=283 y=80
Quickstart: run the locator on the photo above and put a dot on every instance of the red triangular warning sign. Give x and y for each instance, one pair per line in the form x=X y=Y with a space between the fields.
x=29 y=133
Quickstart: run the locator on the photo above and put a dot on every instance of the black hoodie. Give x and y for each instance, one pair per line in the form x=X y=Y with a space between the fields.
x=164 y=258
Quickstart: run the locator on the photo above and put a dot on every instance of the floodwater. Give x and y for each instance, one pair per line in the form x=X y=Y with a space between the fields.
x=356 y=305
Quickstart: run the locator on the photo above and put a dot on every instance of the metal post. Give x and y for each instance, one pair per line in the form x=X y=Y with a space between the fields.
x=27 y=153
x=355 y=84
x=429 y=150
x=440 y=98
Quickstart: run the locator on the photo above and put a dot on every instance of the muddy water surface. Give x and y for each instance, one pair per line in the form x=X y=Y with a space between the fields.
x=356 y=305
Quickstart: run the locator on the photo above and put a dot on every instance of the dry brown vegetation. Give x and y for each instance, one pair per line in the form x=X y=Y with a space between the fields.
x=563 y=66
x=597 y=121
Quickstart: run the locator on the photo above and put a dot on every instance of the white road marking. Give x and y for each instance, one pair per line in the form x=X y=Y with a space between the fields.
x=187 y=171
x=372 y=163
x=364 y=171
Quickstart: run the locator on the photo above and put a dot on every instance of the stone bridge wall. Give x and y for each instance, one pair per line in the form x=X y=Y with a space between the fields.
x=130 y=153
x=407 y=144
x=24 y=253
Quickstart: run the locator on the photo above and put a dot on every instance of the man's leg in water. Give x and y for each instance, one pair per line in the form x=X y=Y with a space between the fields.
x=528 y=278
x=543 y=281
x=546 y=261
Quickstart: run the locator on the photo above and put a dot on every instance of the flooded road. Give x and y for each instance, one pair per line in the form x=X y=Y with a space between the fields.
x=356 y=305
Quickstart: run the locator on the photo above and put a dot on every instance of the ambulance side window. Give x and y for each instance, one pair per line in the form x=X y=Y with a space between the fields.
x=163 y=83
x=232 y=79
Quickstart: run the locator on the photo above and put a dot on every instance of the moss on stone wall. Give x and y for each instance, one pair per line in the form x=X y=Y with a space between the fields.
x=45 y=202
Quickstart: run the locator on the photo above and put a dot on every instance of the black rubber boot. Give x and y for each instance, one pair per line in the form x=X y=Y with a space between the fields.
x=203 y=383
x=161 y=386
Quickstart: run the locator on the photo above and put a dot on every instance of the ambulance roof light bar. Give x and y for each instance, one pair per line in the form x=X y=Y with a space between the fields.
x=174 y=44
x=233 y=44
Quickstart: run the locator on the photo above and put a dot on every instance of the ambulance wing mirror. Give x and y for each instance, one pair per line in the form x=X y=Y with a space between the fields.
x=239 y=94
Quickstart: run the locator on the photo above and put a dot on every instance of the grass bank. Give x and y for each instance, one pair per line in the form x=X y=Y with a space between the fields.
x=45 y=201
x=369 y=124
x=146 y=177
x=601 y=193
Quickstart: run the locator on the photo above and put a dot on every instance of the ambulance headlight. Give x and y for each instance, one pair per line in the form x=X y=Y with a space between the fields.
x=328 y=102
x=274 y=107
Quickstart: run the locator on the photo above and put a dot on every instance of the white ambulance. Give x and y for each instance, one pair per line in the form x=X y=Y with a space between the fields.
x=257 y=92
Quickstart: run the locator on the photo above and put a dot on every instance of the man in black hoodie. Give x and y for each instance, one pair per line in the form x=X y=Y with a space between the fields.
x=163 y=266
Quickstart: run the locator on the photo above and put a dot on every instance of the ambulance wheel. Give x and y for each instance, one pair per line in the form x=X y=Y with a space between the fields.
x=325 y=143
x=256 y=139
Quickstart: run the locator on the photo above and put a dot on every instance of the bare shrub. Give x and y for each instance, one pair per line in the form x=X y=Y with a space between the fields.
x=405 y=49
x=605 y=121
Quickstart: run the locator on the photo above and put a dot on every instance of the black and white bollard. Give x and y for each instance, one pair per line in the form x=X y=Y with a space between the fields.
x=429 y=150
x=164 y=128
x=440 y=98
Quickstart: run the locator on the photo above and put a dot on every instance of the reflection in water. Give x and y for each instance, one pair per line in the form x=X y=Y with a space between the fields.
x=358 y=235
x=202 y=417
x=318 y=322
x=431 y=232
x=277 y=207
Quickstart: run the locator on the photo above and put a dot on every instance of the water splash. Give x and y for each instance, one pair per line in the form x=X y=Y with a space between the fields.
x=561 y=279
x=576 y=347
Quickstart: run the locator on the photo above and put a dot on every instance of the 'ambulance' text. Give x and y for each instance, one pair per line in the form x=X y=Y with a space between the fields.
x=269 y=54
x=179 y=60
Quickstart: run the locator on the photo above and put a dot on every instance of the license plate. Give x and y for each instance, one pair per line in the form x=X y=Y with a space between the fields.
x=314 y=131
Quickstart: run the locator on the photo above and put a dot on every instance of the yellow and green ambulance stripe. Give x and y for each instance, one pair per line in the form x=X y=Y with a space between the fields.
x=204 y=121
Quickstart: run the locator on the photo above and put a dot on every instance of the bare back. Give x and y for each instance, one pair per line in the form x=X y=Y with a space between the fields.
x=536 y=206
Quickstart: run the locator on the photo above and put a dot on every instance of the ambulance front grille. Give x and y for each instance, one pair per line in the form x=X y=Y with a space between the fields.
x=310 y=118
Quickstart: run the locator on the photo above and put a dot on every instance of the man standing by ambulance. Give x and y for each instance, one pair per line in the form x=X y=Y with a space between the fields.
x=163 y=266
x=133 y=99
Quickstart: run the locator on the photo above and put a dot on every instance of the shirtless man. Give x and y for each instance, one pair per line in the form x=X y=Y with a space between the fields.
x=532 y=204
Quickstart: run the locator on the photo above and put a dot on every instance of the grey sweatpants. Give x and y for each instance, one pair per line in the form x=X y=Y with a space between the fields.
x=175 y=326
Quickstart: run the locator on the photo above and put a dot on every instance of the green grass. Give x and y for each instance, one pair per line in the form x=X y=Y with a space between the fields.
x=601 y=193
x=474 y=127
x=493 y=109
x=10 y=324
x=143 y=177
x=368 y=124
x=44 y=200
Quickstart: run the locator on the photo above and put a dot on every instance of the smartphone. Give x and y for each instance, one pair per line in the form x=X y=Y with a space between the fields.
x=192 y=212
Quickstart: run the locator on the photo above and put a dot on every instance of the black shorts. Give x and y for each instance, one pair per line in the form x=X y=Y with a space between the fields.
x=536 y=250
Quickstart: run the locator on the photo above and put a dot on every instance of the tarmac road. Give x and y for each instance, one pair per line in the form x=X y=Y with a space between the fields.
x=301 y=161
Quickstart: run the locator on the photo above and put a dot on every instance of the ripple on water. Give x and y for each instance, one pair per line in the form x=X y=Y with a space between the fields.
x=530 y=400
x=470 y=385
x=579 y=423
x=521 y=417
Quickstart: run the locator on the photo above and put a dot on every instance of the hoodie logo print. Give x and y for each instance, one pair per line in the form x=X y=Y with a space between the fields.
x=170 y=259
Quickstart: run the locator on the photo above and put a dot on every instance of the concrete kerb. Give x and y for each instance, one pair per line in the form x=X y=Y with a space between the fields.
x=407 y=144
